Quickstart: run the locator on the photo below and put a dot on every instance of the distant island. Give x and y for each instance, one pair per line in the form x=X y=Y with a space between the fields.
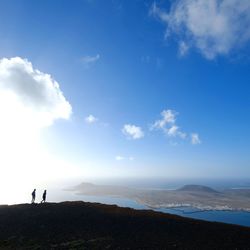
x=196 y=196
x=83 y=225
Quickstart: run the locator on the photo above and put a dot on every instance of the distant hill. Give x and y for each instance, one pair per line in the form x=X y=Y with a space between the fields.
x=82 y=225
x=197 y=188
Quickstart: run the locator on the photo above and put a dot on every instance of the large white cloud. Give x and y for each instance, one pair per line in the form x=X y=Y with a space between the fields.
x=36 y=93
x=132 y=131
x=215 y=27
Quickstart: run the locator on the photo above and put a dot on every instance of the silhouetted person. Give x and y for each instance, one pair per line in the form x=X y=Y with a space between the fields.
x=33 y=194
x=44 y=196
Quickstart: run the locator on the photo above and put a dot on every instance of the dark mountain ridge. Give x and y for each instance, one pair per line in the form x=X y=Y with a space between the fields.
x=82 y=225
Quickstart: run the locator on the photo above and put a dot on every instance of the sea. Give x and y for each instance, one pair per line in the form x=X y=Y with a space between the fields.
x=231 y=217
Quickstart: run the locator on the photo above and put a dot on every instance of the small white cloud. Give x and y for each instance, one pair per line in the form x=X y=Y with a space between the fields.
x=132 y=131
x=195 y=139
x=173 y=131
x=91 y=119
x=89 y=60
x=168 y=117
x=119 y=158
x=214 y=27
x=168 y=125
x=122 y=158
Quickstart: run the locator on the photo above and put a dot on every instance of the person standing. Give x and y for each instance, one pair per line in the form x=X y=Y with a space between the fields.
x=33 y=194
x=44 y=196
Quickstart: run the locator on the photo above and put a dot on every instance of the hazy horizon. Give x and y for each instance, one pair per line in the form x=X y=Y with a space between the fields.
x=57 y=191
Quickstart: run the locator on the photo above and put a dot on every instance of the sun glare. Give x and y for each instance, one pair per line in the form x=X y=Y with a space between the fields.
x=24 y=161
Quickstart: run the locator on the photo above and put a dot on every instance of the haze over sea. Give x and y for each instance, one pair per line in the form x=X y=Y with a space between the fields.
x=57 y=193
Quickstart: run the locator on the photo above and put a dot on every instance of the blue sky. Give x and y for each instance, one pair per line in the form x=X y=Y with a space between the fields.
x=120 y=64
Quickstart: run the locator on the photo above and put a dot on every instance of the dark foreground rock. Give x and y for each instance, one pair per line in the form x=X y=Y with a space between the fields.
x=80 y=225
